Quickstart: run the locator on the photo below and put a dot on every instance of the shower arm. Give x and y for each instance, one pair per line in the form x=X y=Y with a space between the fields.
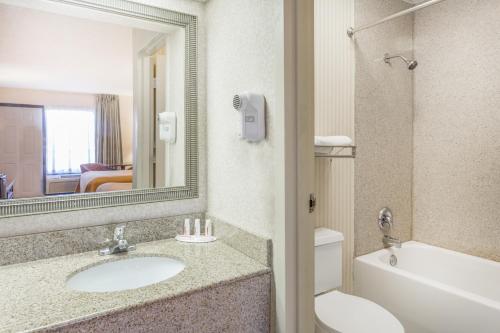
x=387 y=58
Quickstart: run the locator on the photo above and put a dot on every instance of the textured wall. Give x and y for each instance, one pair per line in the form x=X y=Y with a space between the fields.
x=457 y=127
x=242 y=45
x=334 y=115
x=383 y=124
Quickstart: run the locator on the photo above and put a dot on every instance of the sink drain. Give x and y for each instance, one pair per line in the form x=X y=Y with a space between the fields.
x=393 y=260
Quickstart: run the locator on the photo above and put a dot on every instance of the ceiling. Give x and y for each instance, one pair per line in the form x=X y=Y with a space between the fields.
x=48 y=51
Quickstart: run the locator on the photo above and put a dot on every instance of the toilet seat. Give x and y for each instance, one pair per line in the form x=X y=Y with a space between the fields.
x=339 y=312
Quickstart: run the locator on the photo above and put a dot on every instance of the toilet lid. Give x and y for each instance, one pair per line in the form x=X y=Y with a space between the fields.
x=352 y=314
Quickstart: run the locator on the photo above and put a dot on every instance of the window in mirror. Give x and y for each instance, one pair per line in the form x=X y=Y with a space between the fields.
x=69 y=140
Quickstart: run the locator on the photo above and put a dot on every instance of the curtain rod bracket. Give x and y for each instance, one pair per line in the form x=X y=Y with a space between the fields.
x=350 y=32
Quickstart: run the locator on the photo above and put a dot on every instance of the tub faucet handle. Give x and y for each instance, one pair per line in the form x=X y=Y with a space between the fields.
x=385 y=220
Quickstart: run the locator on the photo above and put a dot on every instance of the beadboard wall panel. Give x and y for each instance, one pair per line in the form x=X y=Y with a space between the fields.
x=334 y=115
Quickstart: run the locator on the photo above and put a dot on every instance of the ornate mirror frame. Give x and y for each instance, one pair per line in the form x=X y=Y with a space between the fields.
x=43 y=205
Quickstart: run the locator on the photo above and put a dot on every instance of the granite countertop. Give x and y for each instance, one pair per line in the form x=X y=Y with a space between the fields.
x=34 y=295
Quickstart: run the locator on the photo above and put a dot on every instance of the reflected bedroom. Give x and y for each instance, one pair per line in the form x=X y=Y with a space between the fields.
x=79 y=93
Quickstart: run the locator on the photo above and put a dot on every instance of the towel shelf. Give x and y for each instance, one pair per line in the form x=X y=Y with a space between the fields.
x=336 y=152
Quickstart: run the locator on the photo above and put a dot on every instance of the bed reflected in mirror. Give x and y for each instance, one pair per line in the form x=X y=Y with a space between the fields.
x=101 y=107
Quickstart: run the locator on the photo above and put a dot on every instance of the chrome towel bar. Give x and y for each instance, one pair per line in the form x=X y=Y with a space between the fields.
x=337 y=152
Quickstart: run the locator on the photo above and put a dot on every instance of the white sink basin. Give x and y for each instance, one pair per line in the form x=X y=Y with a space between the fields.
x=130 y=273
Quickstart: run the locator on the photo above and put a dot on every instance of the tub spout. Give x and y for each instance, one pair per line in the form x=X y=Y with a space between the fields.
x=391 y=241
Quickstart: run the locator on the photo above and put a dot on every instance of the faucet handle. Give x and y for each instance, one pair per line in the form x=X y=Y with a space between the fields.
x=385 y=220
x=119 y=232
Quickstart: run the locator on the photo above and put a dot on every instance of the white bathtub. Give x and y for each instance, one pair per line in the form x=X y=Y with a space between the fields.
x=432 y=289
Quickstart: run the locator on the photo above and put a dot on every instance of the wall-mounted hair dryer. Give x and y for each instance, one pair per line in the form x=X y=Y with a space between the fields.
x=253 y=116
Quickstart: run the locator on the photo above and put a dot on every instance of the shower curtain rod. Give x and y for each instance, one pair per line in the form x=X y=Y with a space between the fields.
x=351 y=31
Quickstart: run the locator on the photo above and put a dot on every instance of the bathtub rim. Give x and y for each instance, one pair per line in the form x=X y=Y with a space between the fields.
x=372 y=259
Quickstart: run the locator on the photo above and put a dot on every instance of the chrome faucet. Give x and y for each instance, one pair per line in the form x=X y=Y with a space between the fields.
x=119 y=243
x=391 y=241
x=385 y=220
x=385 y=223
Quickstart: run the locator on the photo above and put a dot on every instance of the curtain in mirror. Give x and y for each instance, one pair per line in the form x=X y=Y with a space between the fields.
x=107 y=130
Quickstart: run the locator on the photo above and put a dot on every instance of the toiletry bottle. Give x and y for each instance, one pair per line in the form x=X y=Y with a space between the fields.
x=197 y=228
x=3 y=186
x=208 y=227
x=1 y=176
x=187 y=227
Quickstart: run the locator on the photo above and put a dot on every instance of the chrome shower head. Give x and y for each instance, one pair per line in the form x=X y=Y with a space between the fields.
x=411 y=64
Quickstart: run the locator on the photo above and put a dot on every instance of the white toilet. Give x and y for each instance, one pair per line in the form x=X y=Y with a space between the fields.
x=336 y=311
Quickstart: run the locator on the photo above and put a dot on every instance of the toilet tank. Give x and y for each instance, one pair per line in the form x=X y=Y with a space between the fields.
x=327 y=260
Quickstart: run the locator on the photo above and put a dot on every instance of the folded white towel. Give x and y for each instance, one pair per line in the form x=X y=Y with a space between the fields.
x=339 y=140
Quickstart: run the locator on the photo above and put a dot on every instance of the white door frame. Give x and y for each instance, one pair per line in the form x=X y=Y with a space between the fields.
x=305 y=164
x=143 y=113
x=294 y=233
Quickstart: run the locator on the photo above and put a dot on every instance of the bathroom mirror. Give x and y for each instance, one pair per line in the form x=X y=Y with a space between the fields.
x=105 y=114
